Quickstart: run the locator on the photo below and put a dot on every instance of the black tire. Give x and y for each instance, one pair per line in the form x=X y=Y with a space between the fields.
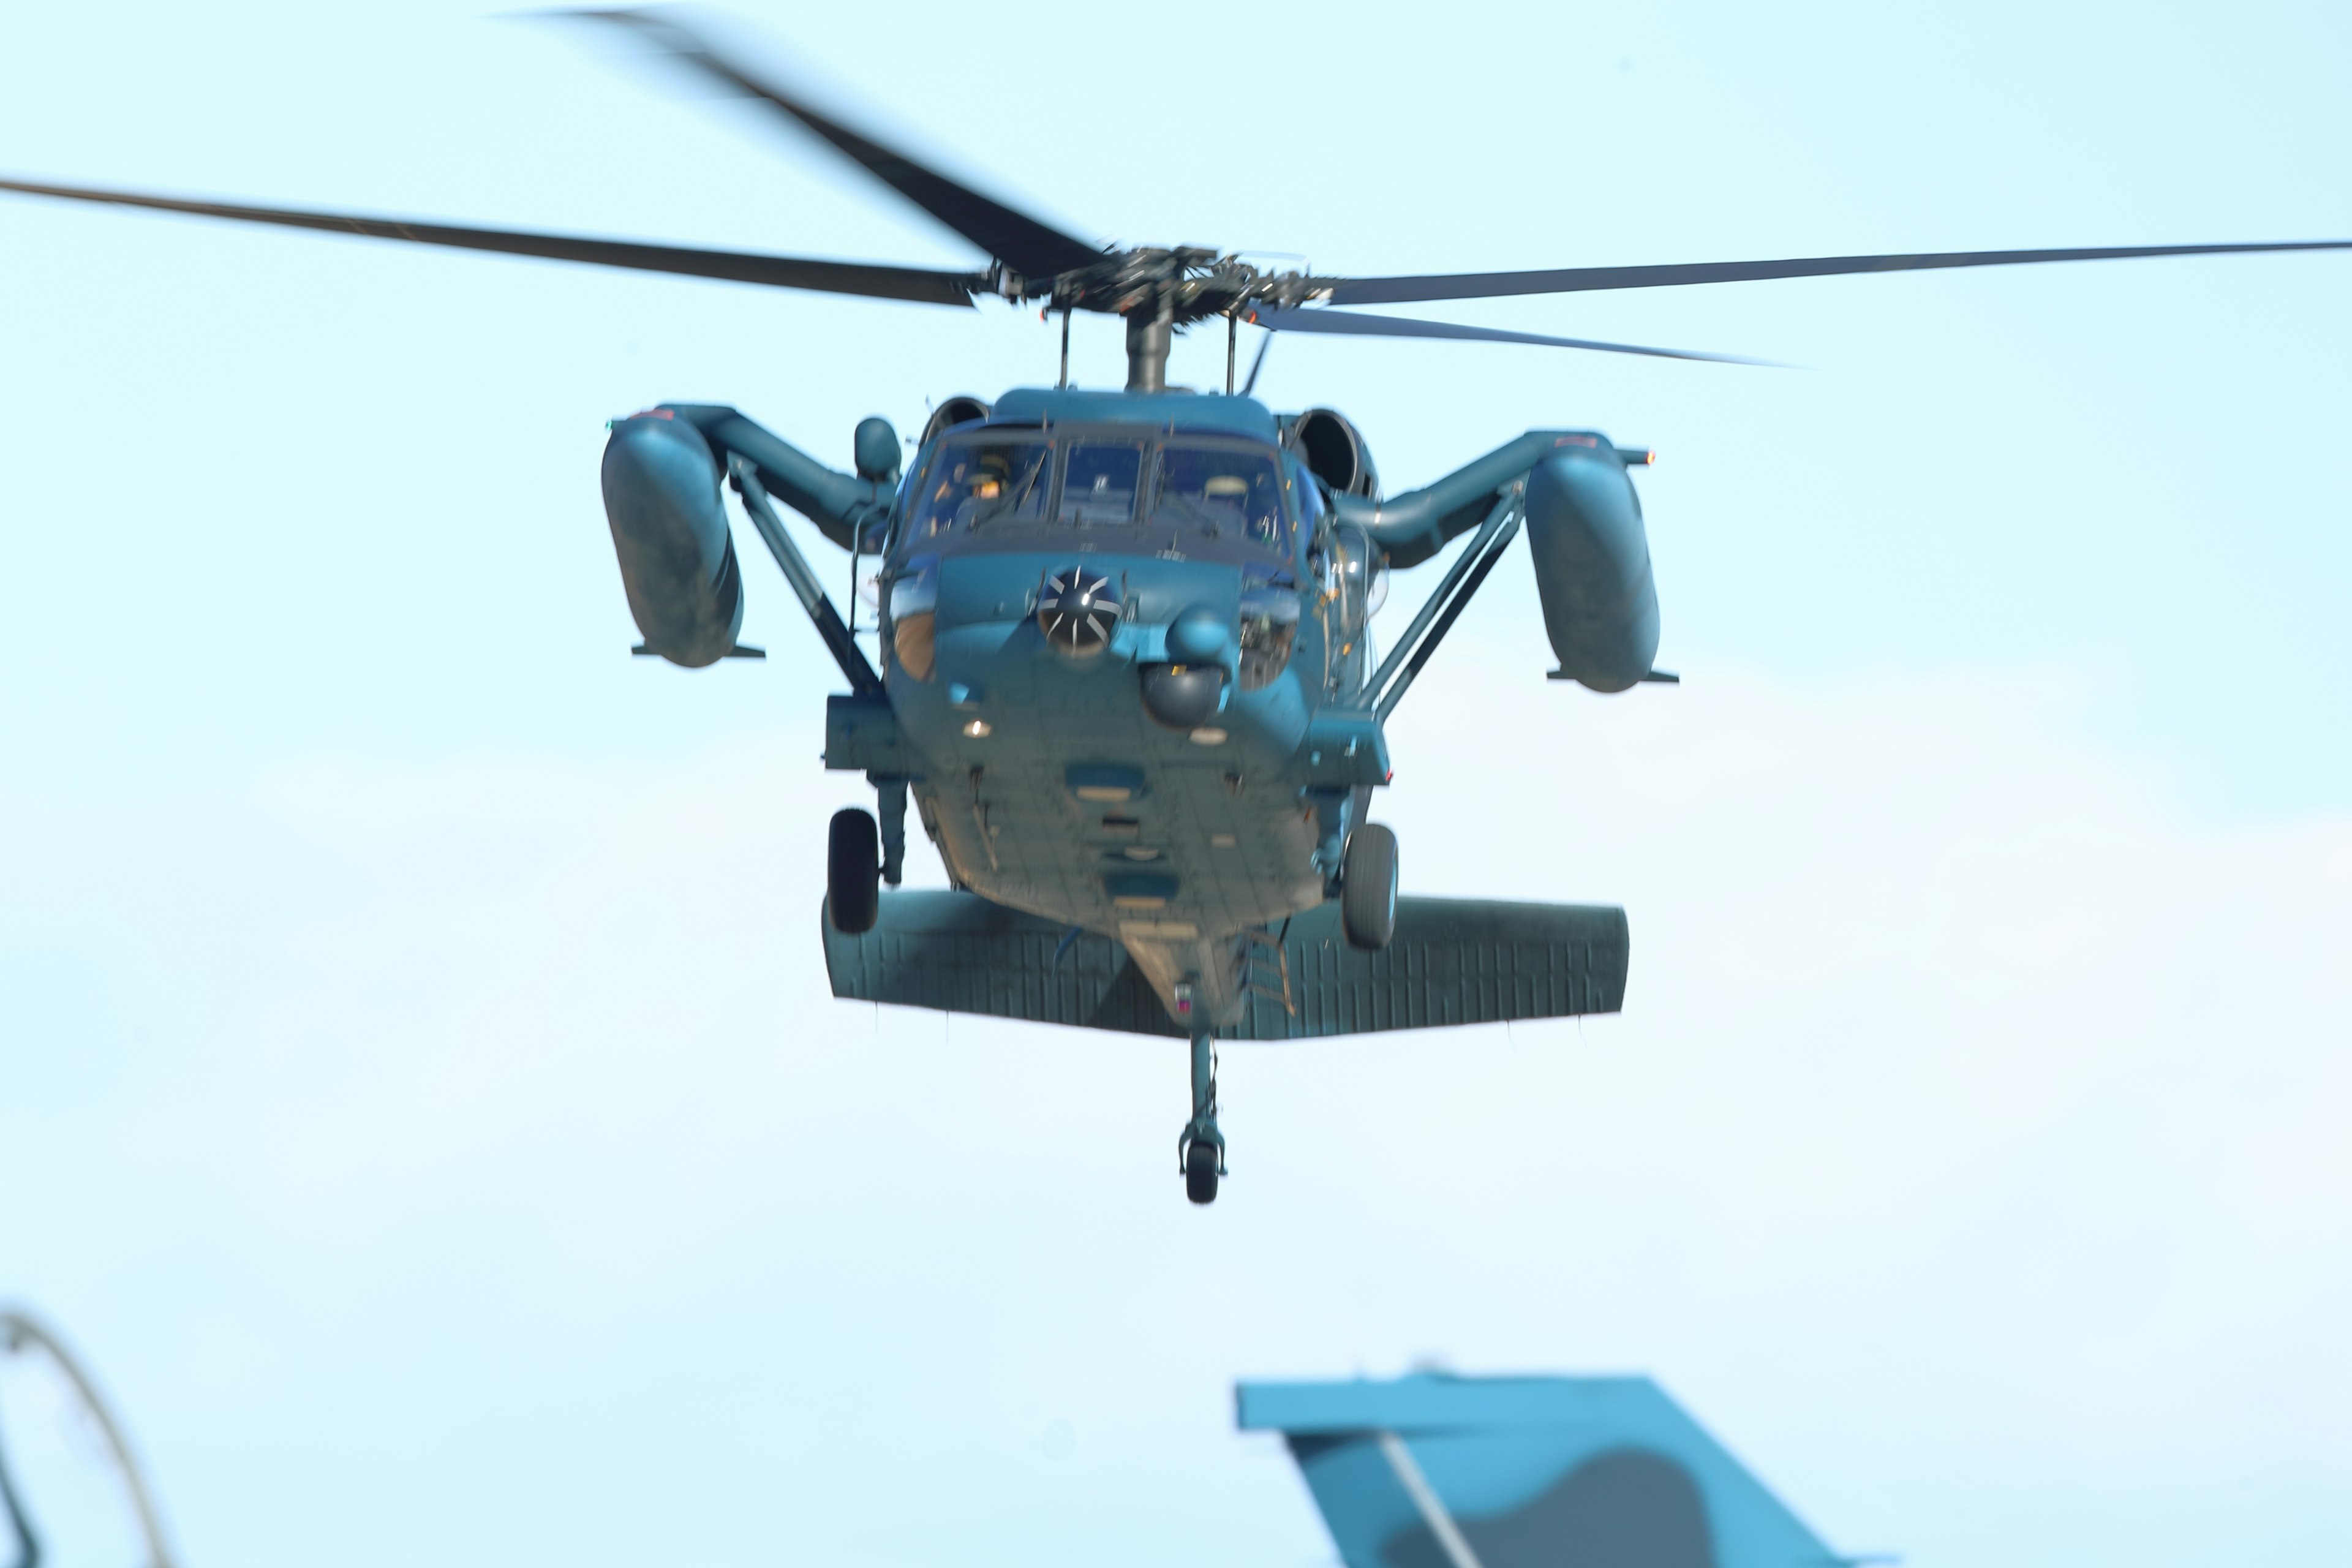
x=853 y=872
x=1200 y=1172
x=1368 y=887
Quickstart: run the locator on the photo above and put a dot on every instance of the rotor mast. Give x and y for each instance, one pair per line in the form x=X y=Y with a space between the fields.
x=1151 y=331
x=1158 y=291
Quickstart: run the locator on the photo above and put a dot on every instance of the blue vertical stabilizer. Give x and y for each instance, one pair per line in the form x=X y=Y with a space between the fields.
x=1436 y=1471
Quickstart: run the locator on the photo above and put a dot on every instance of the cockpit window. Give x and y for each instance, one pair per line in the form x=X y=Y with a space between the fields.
x=1223 y=490
x=972 y=484
x=1099 y=479
x=1310 y=503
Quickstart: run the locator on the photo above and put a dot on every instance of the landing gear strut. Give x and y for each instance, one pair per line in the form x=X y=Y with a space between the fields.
x=1201 y=1148
x=891 y=796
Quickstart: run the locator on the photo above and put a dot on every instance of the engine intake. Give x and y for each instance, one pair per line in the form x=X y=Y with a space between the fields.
x=961 y=409
x=1334 y=451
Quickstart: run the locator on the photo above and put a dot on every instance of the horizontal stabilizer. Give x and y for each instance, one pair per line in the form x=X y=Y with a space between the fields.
x=1452 y=960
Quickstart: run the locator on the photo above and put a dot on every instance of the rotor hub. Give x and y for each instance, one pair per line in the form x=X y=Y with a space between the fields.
x=1183 y=284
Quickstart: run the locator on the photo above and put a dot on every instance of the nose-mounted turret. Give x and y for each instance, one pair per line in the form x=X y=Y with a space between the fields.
x=1186 y=692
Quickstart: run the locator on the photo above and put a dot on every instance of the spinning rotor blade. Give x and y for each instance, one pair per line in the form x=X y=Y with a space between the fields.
x=1576 y=280
x=1034 y=250
x=1348 y=323
x=915 y=283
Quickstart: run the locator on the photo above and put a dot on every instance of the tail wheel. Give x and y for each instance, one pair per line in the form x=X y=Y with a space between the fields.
x=1368 y=887
x=1200 y=1172
x=853 y=872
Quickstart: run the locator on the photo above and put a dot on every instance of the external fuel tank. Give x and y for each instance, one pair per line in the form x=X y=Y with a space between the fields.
x=669 y=529
x=1592 y=567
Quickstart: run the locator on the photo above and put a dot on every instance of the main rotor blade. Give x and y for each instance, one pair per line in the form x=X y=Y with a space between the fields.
x=1350 y=325
x=1033 y=249
x=1576 y=280
x=914 y=283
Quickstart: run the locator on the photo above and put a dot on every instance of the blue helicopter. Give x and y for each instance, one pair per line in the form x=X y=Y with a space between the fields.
x=1127 y=678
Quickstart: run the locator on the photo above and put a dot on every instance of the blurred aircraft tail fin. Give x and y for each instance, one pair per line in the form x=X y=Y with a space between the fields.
x=1438 y=1471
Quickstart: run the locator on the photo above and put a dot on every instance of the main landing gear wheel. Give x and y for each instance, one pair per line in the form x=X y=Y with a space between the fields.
x=852 y=873
x=1368 y=887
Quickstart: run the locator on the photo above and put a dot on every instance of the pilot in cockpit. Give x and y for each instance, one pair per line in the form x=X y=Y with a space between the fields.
x=1224 y=490
x=978 y=483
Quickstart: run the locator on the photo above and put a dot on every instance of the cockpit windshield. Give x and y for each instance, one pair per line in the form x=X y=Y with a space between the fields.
x=1099 y=481
x=971 y=483
x=1224 y=490
x=1089 y=478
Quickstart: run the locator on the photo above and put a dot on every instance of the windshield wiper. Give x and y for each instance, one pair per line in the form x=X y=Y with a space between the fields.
x=1011 y=505
x=1199 y=513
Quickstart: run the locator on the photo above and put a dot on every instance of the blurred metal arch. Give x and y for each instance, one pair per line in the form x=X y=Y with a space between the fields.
x=20 y=1332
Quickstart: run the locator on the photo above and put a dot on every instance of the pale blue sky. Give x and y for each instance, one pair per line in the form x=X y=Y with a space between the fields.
x=417 y=1088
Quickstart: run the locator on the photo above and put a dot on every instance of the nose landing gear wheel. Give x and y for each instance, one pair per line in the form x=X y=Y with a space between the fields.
x=1200 y=1172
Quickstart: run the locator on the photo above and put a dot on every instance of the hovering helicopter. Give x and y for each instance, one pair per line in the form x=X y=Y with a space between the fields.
x=1127 y=678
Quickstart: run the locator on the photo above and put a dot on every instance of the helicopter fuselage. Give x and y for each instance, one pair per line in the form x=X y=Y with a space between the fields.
x=1126 y=674
x=1127 y=683
x=1118 y=635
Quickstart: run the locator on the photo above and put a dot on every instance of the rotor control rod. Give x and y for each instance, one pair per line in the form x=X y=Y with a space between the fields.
x=829 y=626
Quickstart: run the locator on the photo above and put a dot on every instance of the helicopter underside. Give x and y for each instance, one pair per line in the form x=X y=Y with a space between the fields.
x=1050 y=790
